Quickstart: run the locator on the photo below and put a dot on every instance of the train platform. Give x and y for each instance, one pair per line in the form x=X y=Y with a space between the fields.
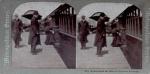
x=48 y=57
x=112 y=57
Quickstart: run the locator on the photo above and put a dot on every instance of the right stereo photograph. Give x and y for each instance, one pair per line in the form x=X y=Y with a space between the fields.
x=109 y=36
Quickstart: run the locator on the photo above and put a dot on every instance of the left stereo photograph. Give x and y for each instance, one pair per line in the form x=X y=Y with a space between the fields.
x=41 y=33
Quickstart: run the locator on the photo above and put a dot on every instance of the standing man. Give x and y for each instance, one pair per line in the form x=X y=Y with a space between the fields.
x=49 y=31
x=83 y=30
x=34 y=37
x=100 y=38
x=16 y=30
x=116 y=28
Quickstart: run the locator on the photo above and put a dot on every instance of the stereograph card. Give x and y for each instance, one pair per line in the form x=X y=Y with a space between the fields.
x=74 y=36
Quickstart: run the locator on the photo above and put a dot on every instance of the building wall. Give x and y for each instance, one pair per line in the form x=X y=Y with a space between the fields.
x=132 y=21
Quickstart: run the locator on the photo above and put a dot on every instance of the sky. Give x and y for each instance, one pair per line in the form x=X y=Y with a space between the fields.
x=112 y=10
x=44 y=8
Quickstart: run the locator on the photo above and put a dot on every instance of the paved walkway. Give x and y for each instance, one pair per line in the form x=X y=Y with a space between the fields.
x=112 y=58
x=49 y=57
x=46 y=58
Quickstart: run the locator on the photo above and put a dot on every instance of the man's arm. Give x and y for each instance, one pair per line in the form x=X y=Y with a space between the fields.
x=12 y=25
x=21 y=25
x=79 y=25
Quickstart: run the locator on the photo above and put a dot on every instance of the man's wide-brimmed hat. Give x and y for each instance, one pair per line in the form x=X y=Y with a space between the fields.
x=29 y=14
x=96 y=15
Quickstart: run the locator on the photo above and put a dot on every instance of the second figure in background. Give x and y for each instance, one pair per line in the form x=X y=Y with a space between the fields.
x=49 y=24
x=83 y=30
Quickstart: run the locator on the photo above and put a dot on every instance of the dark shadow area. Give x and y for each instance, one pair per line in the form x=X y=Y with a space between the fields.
x=20 y=46
x=87 y=48
x=133 y=52
x=38 y=50
x=67 y=51
x=104 y=52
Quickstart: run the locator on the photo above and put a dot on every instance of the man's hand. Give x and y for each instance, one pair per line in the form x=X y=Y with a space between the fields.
x=104 y=34
x=38 y=33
